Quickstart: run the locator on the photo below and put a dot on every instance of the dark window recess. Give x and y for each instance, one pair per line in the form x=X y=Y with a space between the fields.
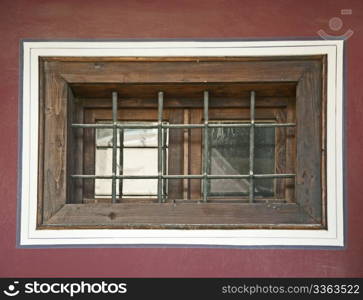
x=238 y=157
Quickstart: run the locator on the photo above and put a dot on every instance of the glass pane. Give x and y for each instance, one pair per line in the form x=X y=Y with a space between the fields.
x=104 y=136
x=141 y=137
x=139 y=161
x=103 y=187
x=229 y=155
x=264 y=160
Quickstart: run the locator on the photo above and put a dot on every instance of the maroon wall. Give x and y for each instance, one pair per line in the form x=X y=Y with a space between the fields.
x=77 y=19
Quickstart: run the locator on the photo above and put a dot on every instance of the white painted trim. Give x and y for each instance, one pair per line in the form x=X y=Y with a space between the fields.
x=334 y=236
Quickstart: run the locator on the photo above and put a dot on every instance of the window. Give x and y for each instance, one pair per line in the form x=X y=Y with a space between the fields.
x=136 y=155
x=229 y=159
x=202 y=142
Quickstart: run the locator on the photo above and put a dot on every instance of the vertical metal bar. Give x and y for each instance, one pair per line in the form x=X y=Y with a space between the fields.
x=114 y=144
x=165 y=161
x=252 y=146
x=121 y=164
x=186 y=159
x=205 y=152
x=160 y=146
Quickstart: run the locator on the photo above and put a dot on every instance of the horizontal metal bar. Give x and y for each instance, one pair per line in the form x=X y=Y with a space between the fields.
x=274 y=175
x=183 y=126
x=183 y=176
x=234 y=125
x=126 y=195
x=116 y=177
x=229 y=125
x=137 y=126
x=130 y=147
x=110 y=126
x=228 y=176
x=257 y=176
x=275 y=124
x=138 y=176
x=198 y=176
x=93 y=125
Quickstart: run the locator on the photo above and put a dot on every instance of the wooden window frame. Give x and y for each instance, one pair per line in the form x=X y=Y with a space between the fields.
x=58 y=73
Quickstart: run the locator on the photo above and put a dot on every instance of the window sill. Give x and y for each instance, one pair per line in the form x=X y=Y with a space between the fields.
x=181 y=216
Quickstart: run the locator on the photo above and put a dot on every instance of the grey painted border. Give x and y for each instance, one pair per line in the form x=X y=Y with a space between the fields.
x=20 y=143
x=67 y=246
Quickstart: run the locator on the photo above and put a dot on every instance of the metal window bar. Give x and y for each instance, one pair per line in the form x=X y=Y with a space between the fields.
x=164 y=162
x=161 y=177
x=252 y=146
x=130 y=147
x=257 y=176
x=114 y=144
x=160 y=146
x=205 y=152
x=186 y=126
x=121 y=164
x=128 y=195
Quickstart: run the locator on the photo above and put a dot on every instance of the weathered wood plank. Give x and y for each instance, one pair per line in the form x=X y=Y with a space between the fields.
x=195 y=150
x=40 y=201
x=75 y=150
x=188 y=90
x=55 y=144
x=280 y=154
x=182 y=72
x=98 y=59
x=149 y=214
x=180 y=102
x=89 y=157
x=243 y=114
x=324 y=77
x=309 y=147
x=175 y=154
x=290 y=152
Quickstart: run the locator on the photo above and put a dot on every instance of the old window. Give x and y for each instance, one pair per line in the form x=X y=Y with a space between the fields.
x=182 y=142
x=214 y=150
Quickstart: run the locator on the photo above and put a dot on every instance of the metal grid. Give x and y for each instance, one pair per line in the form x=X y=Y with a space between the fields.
x=162 y=176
